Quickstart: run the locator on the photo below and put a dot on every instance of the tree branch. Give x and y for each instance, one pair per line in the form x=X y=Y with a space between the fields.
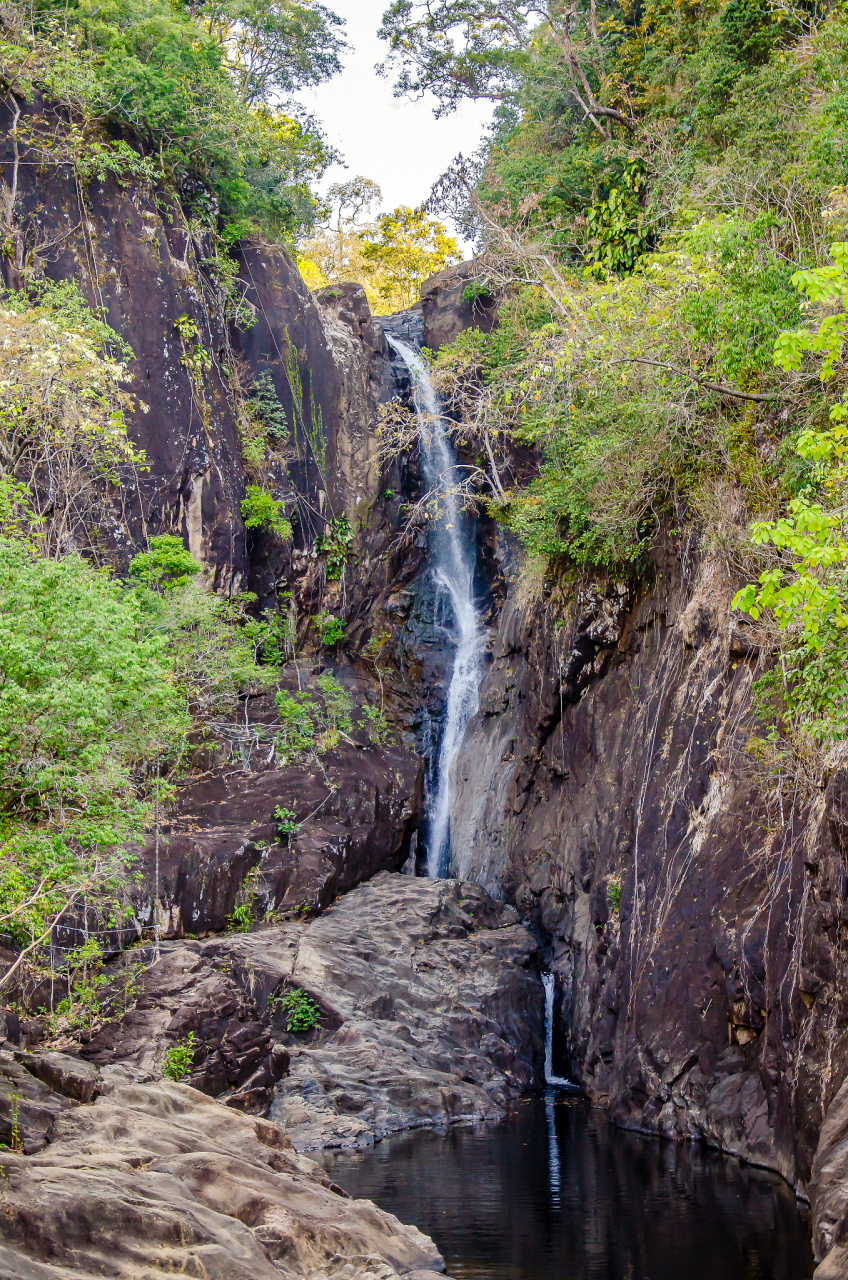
x=694 y=377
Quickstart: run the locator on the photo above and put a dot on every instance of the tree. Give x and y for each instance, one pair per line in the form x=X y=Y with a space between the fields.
x=85 y=690
x=275 y=46
x=405 y=248
x=456 y=49
x=335 y=253
x=62 y=403
x=203 y=90
x=478 y=49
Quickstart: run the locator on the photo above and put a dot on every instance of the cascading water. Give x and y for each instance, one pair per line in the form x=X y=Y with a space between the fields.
x=549 y=984
x=452 y=566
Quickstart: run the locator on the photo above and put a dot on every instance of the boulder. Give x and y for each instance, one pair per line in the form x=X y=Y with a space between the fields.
x=447 y=312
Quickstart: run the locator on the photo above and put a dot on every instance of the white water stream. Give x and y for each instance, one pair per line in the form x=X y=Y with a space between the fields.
x=549 y=984
x=452 y=565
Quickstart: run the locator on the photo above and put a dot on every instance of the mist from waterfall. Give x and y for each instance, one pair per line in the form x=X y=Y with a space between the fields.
x=452 y=565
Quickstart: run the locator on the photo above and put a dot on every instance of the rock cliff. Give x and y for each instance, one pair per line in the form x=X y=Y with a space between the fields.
x=605 y=788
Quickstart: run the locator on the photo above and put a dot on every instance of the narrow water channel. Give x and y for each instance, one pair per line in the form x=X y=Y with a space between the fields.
x=554 y=1192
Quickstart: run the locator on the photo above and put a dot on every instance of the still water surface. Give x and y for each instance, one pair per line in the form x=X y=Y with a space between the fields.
x=554 y=1192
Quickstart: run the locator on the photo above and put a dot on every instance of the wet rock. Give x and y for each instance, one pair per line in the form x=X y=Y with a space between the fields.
x=604 y=786
x=154 y=1178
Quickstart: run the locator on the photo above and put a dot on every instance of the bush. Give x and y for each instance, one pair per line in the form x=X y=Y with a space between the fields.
x=166 y=565
x=179 y=1060
x=300 y=1011
x=334 y=543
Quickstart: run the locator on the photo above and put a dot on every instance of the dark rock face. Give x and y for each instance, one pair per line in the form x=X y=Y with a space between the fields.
x=129 y=250
x=697 y=943
x=357 y=808
x=446 y=313
x=156 y=1179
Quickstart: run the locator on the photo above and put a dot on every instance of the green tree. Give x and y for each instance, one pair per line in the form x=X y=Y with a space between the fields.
x=483 y=49
x=335 y=250
x=405 y=248
x=275 y=46
x=199 y=90
x=86 y=693
x=165 y=565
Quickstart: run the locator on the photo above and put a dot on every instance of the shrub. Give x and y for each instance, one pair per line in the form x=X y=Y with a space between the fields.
x=331 y=630
x=261 y=511
x=179 y=1060
x=286 y=820
x=165 y=565
x=334 y=543
x=300 y=1011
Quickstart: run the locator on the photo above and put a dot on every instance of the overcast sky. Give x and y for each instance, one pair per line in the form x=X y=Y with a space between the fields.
x=398 y=143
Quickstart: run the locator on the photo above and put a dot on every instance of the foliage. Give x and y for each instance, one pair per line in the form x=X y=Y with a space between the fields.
x=376 y=724
x=266 y=405
x=286 y=820
x=85 y=976
x=457 y=49
x=334 y=253
x=622 y=388
x=262 y=511
x=165 y=565
x=806 y=590
x=202 y=88
x=240 y=919
x=476 y=291
x=178 y=1061
x=338 y=704
x=405 y=248
x=62 y=431
x=87 y=695
x=334 y=543
x=299 y=1009
x=313 y=722
x=331 y=630
x=297 y=713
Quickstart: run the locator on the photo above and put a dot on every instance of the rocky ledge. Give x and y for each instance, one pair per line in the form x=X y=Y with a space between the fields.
x=439 y=1005
x=431 y=1012
x=155 y=1178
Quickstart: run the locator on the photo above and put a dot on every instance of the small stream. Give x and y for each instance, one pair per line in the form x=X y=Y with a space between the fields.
x=554 y=1192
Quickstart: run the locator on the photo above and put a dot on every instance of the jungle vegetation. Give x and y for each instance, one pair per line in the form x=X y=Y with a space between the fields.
x=661 y=208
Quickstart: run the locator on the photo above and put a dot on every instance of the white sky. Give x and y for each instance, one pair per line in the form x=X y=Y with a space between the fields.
x=397 y=143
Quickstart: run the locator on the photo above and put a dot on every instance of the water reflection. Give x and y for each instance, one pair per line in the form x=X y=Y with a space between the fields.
x=553 y=1192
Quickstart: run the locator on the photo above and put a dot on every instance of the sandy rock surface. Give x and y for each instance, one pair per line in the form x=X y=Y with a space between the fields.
x=157 y=1179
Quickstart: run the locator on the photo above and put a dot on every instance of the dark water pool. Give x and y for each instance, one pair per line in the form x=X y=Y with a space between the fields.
x=554 y=1192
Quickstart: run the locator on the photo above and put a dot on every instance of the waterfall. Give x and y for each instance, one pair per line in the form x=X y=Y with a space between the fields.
x=452 y=566
x=548 y=982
